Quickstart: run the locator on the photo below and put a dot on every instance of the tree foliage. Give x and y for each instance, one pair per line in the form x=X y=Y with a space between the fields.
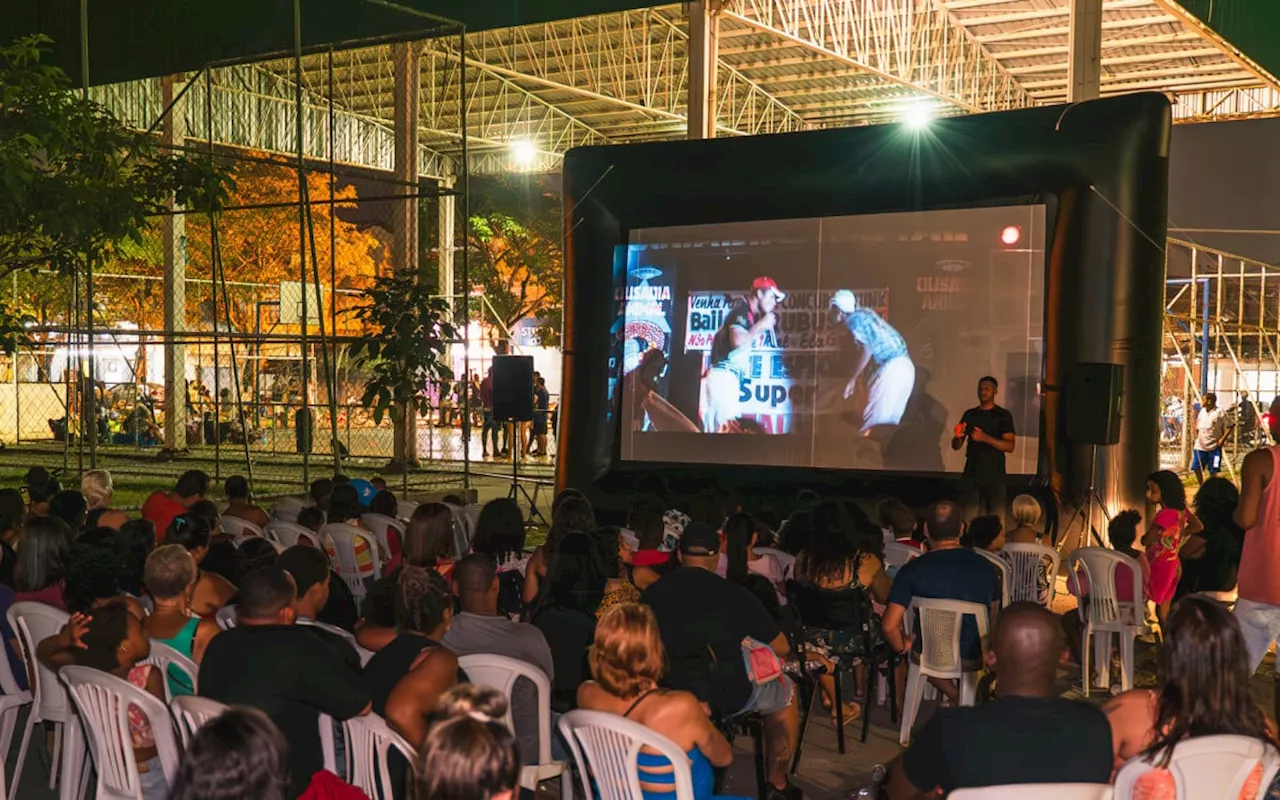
x=514 y=239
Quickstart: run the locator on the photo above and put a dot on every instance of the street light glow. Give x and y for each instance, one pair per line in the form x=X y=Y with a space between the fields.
x=524 y=152
x=917 y=117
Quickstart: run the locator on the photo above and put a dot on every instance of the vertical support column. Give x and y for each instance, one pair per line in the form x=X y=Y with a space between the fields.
x=173 y=235
x=407 y=58
x=446 y=220
x=1084 y=70
x=704 y=51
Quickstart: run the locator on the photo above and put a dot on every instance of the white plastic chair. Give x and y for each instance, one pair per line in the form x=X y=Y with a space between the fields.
x=291 y=533
x=940 y=625
x=364 y=654
x=1104 y=614
x=1039 y=791
x=33 y=623
x=12 y=700
x=501 y=673
x=163 y=657
x=369 y=739
x=343 y=537
x=405 y=509
x=1027 y=561
x=379 y=523
x=286 y=508
x=896 y=554
x=1001 y=566
x=1206 y=767
x=103 y=702
x=607 y=748
x=235 y=526
x=227 y=617
x=190 y=713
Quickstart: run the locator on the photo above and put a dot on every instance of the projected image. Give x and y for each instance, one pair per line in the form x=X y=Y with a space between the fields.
x=850 y=342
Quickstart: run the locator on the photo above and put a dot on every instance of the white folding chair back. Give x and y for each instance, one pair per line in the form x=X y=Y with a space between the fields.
x=364 y=654
x=190 y=713
x=32 y=623
x=166 y=658
x=1104 y=613
x=465 y=519
x=607 y=748
x=103 y=702
x=1039 y=791
x=405 y=509
x=940 y=624
x=785 y=560
x=286 y=508
x=344 y=537
x=1028 y=562
x=369 y=739
x=291 y=533
x=1206 y=767
x=379 y=524
x=501 y=673
x=235 y=526
x=1001 y=566
x=227 y=617
x=896 y=554
x=12 y=700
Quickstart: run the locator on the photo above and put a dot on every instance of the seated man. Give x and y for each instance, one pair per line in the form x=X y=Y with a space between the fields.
x=479 y=628
x=1026 y=735
x=282 y=669
x=947 y=572
x=703 y=620
x=240 y=503
x=161 y=507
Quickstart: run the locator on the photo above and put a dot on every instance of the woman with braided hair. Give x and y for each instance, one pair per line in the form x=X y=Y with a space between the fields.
x=408 y=676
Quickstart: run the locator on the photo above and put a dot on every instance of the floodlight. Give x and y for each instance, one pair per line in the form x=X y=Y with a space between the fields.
x=1011 y=234
x=917 y=117
x=524 y=152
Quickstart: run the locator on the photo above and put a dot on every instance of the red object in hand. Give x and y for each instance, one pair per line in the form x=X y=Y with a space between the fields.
x=960 y=430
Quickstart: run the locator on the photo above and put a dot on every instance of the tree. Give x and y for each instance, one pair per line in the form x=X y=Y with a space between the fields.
x=403 y=354
x=74 y=181
x=514 y=239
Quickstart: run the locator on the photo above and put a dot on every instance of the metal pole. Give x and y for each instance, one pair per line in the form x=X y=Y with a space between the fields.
x=91 y=405
x=213 y=292
x=302 y=239
x=1204 y=345
x=333 y=236
x=17 y=387
x=465 y=217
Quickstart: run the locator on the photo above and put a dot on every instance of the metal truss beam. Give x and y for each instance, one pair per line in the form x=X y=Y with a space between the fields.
x=1140 y=58
x=1040 y=14
x=1209 y=35
x=1063 y=30
x=913 y=43
x=1214 y=105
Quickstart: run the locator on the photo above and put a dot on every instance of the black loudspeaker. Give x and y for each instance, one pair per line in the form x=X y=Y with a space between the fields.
x=1094 y=392
x=513 y=388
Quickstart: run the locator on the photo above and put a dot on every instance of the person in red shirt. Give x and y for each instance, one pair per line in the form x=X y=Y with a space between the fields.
x=161 y=507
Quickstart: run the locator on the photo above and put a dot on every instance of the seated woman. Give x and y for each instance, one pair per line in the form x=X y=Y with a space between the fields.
x=571 y=511
x=500 y=535
x=615 y=555
x=211 y=591
x=627 y=664
x=650 y=560
x=469 y=753
x=1026 y=512
x=565 y=612
x=41 y=570
x=407 y=676
x=170 y=579
x=112 y=640
x=741 y=534
x=97 y=566
x=428 y=544
x=1202 y=690
x=1211 y=557
x=98 y=489
x=221 y=556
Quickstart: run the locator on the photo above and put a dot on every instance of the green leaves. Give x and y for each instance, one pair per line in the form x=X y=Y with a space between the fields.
x=405 y=351
x=73 y=179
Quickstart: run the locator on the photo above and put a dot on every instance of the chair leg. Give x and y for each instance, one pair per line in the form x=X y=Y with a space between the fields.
x=873 y=673
x=911 y=703
x=1126 y=659
x=22 y=753
x=762 y=780
x=968 y=688
x=1085 y=680
x=1102 y=657
x=839 y=709
x=814 y=691
x=892 y=680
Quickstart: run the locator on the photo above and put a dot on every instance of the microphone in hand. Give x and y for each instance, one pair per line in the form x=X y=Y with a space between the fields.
x=960 y=430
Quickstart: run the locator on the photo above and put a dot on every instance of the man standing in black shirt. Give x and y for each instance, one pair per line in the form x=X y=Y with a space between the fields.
x=730 y=357
x=989 y=429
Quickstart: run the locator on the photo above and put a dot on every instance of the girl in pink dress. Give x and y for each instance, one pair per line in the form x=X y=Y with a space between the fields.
x=1164 y=538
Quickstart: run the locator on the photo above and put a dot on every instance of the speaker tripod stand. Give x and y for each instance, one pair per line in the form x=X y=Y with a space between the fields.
x=1085 y=511
x=517 y=488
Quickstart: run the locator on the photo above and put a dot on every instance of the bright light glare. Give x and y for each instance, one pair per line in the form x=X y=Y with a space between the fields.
x=1011 y=235
x=917 y=118
x=524 y=152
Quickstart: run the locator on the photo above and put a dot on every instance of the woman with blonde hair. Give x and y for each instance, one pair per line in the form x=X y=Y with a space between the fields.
x=98 y=488
x=1026 y=513
x=627 y=662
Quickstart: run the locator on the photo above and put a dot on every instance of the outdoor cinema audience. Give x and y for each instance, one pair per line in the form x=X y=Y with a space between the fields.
x=212 y=591
x=240 y=502
x=170 y=580
x=161 y=507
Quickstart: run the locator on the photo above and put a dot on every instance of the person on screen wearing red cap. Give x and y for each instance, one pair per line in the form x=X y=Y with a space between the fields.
x=731 y=353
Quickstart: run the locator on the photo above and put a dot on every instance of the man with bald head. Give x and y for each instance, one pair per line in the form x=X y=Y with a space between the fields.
x=1026 y=735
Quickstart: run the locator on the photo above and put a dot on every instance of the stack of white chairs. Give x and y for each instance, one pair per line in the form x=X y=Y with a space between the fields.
x=940 y=625
x=234 y=526
x=501 y=673
x=1103 y=614
x=33 y=623
x=1028 y=562
x=607 y=749
x=1207 y=768
x=369 y=740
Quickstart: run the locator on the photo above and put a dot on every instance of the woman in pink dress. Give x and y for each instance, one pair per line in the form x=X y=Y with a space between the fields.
x=1163 y=539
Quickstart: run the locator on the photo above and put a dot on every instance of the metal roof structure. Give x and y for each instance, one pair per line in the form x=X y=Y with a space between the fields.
x=534 y=91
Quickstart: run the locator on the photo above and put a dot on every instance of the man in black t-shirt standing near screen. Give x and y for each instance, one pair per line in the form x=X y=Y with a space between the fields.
x=989 y=429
